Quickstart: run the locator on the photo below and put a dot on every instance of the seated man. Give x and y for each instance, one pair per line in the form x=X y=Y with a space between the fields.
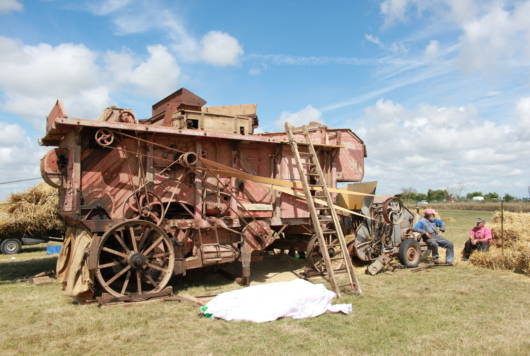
x=428 y=229
x=479 y=238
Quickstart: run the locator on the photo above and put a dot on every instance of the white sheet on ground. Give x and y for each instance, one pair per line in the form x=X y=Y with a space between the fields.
x=295 y=299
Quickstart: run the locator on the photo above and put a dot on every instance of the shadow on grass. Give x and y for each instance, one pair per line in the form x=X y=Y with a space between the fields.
x=223 y=275
x=12 y=271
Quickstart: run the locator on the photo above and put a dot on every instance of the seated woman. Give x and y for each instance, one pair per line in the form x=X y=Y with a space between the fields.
x=480 y=238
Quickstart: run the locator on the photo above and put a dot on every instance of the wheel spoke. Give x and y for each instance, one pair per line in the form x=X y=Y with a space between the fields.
x=114 y=252
x=158 y=255
x=138 y=282
x=118 y=275
x=133 y=239
x=158 y=268
x=126 y=282
x=110 y=264
x=150 y=248
x=121 y=242
x=150 y=280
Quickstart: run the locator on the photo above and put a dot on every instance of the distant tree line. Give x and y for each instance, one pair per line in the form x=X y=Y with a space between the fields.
x=442 y=195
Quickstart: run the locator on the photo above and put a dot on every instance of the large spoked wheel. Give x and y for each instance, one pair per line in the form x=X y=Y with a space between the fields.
x=314 y=256
x=135 y=257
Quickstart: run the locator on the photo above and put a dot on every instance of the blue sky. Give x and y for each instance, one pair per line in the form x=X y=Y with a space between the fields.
x=439 y=90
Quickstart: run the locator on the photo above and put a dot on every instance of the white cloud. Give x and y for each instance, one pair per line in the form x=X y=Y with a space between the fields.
x=10 y=5
x=397 y=10
x=395 y=47
x=299 y=118
x=155 y=77
x=435 y=147
x=432 y=48
x=220 y=49
x=36 y=69
x=105 y=7
x=374 y=39
x=523 y=115
x=19 y=157
x=493 y=33
x=33 y=77
x=215 y=47
x=500 y=37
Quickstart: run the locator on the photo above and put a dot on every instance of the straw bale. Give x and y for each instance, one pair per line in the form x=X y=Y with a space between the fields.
x=516 y=258
x=516 y=228
x=30 y=213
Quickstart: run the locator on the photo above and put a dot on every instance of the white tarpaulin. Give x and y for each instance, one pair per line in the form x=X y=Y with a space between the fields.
x=295 y=299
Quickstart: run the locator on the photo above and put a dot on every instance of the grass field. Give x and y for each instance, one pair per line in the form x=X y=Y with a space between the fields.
x=460 y=310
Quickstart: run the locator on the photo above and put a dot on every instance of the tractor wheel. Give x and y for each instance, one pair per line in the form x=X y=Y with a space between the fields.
x=409 y=253
x=11 y=246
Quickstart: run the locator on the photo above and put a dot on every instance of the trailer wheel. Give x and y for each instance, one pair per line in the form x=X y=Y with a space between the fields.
x=135 y=257
x=409 y=253
x=11 y=246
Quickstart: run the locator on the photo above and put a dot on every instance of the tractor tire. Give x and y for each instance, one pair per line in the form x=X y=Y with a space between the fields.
x=409 y=253
x=11 y=246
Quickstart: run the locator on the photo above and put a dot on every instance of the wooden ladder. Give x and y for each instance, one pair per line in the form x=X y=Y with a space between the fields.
x=332 y=227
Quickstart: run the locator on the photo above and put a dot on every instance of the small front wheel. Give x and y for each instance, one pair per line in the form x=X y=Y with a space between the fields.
x=409 y=253
x=11 y=246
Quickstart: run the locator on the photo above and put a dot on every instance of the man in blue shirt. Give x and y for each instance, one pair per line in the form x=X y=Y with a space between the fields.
x=429 y=228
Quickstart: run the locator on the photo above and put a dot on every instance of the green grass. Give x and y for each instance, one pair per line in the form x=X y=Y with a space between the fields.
x=460 y=310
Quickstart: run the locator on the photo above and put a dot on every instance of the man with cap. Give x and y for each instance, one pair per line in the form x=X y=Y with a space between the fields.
x=480 y=238
x=428 y=227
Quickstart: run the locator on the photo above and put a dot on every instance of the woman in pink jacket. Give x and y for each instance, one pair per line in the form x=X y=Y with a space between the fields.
x=480 y=238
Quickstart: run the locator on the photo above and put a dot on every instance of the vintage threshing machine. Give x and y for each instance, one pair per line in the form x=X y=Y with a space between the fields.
x=189 y=187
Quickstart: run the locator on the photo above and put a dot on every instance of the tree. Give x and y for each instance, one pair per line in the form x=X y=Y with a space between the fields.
x=508 y=197
x=437 y=195
x=408 y=194
x=491 y=196
x=470 y=196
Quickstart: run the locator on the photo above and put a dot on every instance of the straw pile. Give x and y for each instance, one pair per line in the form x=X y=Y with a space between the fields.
x=516 y=255
x=516 y=228
x=31 y=213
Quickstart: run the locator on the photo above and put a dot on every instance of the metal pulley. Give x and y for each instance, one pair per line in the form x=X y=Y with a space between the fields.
x=104 y=137
x=188 y=159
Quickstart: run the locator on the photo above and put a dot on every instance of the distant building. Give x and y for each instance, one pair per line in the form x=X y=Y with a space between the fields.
x=478 y=198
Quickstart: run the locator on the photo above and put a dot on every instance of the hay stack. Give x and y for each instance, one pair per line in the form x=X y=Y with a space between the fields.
x=31 y=213
x=516 y=228
x=516 y=244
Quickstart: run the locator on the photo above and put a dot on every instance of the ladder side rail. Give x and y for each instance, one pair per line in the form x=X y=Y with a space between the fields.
x=340 y=235
x=312 y=211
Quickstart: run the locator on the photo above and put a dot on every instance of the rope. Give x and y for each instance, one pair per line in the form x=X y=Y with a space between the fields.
x=20 y=180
